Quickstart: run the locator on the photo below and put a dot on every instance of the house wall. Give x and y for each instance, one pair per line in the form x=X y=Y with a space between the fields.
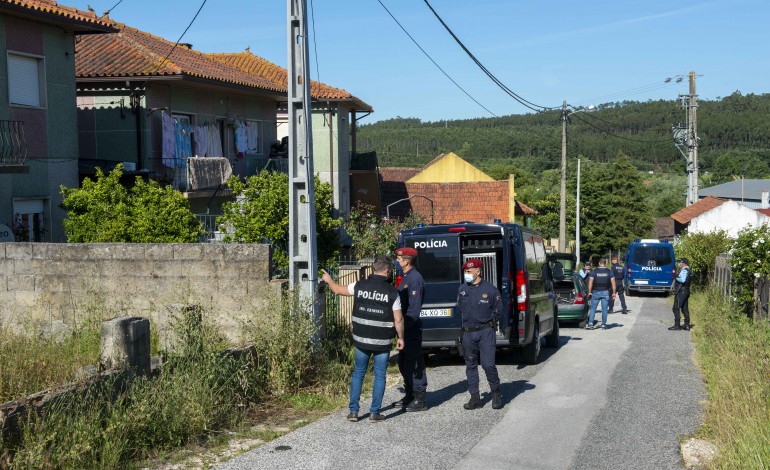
x=50 y=131
x=331 y=153
x=730 y=216
x=42 y=283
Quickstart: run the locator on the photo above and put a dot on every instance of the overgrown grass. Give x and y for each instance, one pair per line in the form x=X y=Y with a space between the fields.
x=199 y=392
x=734 y=354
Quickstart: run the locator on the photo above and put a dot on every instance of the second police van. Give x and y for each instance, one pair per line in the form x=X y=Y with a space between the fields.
x=650 y=266
x=514 y=262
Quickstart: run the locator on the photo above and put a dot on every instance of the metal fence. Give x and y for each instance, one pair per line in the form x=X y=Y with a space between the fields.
x=339 y=309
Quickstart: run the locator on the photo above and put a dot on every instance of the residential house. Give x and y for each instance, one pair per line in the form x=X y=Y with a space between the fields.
x=710 y=214
x=450 y=190
x=172 y=114
x=334 y=112
x=38 y=125
x=747 y=191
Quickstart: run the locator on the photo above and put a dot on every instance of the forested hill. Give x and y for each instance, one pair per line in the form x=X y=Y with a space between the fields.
x=734 y=137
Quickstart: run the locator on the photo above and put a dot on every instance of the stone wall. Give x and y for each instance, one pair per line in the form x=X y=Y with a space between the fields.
x=51 y=283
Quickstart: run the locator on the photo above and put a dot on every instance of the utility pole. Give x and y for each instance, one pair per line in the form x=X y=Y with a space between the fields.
x=577 y=218
x=687 y=136
x=303 y=259
x=563 y=188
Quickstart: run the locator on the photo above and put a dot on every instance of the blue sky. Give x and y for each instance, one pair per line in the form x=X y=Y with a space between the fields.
x=587 y=52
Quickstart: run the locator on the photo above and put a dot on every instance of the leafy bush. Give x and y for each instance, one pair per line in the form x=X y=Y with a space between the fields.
x=375 y=235
x=750 y=260
x=701 y=250
x=105 y=211
x=261 y=215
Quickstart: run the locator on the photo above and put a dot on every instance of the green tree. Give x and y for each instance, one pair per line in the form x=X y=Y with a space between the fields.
x=105 y=211
x=701 y=250
x=260 y=214
x=548 y=220
x=374 y=234
x=612 y=209
x=750 y=261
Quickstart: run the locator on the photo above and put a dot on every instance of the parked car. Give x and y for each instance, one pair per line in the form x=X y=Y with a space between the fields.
x=568 y=288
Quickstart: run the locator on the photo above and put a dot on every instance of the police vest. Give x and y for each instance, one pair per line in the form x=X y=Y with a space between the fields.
x=687 y=279
x=373 y=323
x=617 y=271
x=602 y=277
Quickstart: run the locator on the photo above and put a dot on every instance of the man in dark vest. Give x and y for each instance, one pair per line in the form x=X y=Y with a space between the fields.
x=601 y=286
x=619 y=272
x=682 y=296
x=411 y=362
x=376 y=320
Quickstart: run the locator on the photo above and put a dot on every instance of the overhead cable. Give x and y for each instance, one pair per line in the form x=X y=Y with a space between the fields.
x=604 y=131
x=434 y=62
x=528 y=104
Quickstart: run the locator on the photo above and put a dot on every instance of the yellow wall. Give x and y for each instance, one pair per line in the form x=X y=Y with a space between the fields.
x=450 y=169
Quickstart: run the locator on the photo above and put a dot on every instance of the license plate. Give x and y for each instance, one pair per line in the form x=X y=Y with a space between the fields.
x=436 y=312
x=641 y=282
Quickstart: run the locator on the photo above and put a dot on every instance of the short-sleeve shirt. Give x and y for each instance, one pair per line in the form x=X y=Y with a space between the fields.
x=601 y=277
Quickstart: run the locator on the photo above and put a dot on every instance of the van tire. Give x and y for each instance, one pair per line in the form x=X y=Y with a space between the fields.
x=552 y=340
x=532 y=350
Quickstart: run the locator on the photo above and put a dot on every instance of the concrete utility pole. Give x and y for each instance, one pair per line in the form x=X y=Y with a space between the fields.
x=687 y=136
x=303 y=259
x=563 y=199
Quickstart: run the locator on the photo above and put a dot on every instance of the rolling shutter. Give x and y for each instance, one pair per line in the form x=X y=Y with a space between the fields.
x=24 y=80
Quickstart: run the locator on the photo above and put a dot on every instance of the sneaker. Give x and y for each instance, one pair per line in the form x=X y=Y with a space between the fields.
x=589 y=326
x=376 y=417
x=352 y=417
x=604 y=327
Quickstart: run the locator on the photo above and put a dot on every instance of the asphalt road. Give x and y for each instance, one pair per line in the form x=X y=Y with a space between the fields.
x=615 y=398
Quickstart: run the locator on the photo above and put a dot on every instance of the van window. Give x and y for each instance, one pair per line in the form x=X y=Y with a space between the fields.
x=535 y=252
x=652 y=255
x=440 y=261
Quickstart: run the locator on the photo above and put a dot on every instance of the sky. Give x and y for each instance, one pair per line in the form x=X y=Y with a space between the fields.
x=585 y=53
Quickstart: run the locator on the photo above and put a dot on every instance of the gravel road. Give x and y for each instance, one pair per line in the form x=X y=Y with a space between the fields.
x=615 y=398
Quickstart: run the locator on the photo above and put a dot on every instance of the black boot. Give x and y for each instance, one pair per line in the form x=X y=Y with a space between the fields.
x=674 y=328
x=686 y=326
x=419 y=403
x=473 y=403
x=497 y=400
x=405 y=401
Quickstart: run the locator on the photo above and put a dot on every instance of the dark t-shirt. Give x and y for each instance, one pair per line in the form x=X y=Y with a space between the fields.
x=601 y=277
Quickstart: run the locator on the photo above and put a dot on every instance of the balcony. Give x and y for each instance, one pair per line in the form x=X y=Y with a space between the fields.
x=13 y=147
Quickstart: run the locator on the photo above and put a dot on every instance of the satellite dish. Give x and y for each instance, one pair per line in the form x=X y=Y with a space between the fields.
x=6 y=234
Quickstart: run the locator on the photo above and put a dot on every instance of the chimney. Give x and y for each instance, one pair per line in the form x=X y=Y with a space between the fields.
x=765 y=200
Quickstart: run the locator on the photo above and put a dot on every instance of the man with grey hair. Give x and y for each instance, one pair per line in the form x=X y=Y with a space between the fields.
x=376 y=320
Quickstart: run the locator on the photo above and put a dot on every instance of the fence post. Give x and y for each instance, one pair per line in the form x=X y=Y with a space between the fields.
x=126 y=344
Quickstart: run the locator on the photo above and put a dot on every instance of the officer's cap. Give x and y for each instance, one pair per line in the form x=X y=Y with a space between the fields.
x=472 y=263
x=406 y=252
x=683 y=260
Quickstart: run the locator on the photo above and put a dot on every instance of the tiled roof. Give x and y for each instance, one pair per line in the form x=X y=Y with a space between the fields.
x=260 y=67
x=763 y=211
x=134 y=53
x=397 y=173
x=53 y=10
x=525 y=209
x=684 y=216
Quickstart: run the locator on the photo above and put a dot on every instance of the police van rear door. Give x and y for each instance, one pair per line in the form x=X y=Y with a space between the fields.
x=438 y=261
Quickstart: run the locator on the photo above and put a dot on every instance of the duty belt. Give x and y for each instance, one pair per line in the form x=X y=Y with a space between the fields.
x=480 y=327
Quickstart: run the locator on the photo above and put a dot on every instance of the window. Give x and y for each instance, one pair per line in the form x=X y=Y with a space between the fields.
x=26 y=80
x=29 y=221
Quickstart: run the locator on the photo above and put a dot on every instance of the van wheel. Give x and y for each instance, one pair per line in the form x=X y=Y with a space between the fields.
x=552 y=340
x=532 y=350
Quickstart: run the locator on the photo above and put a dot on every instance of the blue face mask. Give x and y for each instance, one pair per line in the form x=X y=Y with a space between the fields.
x=469 y=278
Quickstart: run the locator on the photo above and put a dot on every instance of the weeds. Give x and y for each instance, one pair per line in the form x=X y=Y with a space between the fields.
x=734 y=353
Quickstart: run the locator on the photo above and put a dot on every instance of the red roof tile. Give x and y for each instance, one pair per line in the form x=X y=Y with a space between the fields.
x=260 y=67
x=51 y=9
x=134 y=53
x=764 y=211
x=684 y=216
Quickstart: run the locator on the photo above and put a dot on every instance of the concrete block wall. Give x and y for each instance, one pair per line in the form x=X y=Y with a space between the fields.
x=47 y=282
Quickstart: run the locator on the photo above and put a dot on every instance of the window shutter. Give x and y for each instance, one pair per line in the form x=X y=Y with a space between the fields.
x=28 y=206
x=24 y=80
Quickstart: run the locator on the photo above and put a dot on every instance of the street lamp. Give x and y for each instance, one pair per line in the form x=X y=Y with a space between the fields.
x=565 y=113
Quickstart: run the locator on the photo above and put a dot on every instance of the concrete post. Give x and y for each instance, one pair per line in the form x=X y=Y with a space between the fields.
x=126 y=344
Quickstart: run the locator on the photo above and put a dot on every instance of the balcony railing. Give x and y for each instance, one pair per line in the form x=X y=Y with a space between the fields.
x=13 y=145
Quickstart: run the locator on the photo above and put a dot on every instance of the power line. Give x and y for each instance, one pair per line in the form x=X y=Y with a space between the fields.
x=634 y=91
x=175 y=44
x=528 y=104
x=604 y=131
x=109 y=10
x=315 y=45
x=434 y=62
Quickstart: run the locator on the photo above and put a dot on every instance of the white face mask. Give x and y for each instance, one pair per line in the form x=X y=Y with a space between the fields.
x=469 y=278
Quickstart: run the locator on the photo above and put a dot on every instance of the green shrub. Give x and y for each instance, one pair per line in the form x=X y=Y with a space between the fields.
x=750 y=260
x=701 y=250
x=375 y=235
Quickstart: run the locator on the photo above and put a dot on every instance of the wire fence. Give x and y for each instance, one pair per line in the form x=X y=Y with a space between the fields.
x=723 y=280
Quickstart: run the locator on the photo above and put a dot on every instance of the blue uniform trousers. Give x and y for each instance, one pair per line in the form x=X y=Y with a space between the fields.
x=480 y=346
x=411 y=363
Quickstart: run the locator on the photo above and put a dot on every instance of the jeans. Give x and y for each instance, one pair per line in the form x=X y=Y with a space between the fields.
x=361 y=362
x=604 y=296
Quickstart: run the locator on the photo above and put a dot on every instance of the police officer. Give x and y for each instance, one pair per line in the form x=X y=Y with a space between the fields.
x=618 y=273
x=601 y=286
x=586 y=270
x=480 y=305
x=682 y=296
x=411 y=362
x=376 y=319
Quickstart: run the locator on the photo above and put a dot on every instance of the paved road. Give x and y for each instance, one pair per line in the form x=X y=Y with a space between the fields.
x=610 y=399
